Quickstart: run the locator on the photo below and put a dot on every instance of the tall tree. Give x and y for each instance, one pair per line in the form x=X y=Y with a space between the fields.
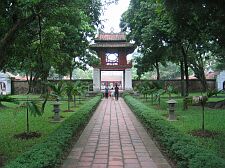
x=16 y=16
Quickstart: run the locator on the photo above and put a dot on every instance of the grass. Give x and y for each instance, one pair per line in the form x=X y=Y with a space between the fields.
x=191 y=119
x=13 y=121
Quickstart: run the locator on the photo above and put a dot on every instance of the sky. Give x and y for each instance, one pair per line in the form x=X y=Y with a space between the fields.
x=111 y=19
x=112 y=16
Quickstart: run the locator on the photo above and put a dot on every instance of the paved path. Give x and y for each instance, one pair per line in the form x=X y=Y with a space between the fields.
x=114 y=138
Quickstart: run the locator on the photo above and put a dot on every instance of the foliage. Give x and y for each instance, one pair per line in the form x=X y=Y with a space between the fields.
x=183 y=149
x=56 y=90
x=69 y=90
x=50 y=152
x=6 y=98
x=36 y=36
x=183 y=32
x=14 y=122
x=34 y=108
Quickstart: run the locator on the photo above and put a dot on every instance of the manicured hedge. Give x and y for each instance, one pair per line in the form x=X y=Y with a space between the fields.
x=180 y=147
x=50 y=152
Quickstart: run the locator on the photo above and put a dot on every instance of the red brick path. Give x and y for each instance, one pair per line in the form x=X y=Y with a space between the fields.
x=115 y=139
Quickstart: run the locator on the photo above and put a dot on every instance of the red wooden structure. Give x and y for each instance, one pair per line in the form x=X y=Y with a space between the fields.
x=113 y=43
x=112 y=49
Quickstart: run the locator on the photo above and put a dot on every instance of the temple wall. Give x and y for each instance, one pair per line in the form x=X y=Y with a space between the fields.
x=21 y=87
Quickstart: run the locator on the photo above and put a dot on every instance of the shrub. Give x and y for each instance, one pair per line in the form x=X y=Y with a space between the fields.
x=180 y=147
x=50 y=152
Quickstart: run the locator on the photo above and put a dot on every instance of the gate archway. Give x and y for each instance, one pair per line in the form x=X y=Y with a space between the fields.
x=112 y=49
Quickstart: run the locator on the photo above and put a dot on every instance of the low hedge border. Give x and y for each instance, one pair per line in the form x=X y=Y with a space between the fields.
x=51 y=151
x=179 y=147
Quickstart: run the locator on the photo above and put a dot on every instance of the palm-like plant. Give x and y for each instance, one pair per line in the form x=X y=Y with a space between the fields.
x=75 y=93
x=34 y=108
x=69 y=92
x=79 y=90
x=158 y=93
x=143 y=88
x=169 y=89
x=56 y=90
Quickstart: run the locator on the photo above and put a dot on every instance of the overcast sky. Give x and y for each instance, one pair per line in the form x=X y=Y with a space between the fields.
x=112 y=15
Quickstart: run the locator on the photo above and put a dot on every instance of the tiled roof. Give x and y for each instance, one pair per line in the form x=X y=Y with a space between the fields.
x=111 y=37
x=112 y=45
x=114 y=67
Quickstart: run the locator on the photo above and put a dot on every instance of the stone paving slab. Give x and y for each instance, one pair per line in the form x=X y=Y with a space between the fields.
x=114 y=138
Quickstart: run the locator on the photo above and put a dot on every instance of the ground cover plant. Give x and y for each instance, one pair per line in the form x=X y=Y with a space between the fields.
x=175 y=137
x=13 y=121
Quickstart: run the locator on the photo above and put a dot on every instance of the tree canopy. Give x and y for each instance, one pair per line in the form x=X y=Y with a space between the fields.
x=187 y=33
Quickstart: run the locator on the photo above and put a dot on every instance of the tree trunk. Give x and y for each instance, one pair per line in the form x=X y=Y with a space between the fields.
x=185 y=71
x=203 y=117
x=69 y=103
x=71 y=74
x=203 y=81
x=182 y=77
x=157 y=70
x=28 y=127
x=29 y=81
x=74 y=101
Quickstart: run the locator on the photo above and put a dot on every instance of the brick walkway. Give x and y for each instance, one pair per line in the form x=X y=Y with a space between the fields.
x=115 y=139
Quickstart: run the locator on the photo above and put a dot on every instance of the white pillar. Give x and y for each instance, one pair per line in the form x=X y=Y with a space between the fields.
x=8 y=86
x=128 y=79
x=96 y=79
x=219 y=80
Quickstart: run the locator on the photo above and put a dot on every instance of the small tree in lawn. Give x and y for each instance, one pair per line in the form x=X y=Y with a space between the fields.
x=169 y=89
x=81 y=91
x=35 y=109
x=75 y=93
x=202 y=101
x=69 y=92
x=56 y=90
x=78 y=90
x=158 y=93
x=143 y=88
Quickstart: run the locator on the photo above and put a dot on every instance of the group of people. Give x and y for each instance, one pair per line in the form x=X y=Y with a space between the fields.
x=111 y=93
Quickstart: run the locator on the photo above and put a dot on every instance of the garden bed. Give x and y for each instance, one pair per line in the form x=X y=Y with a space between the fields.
x=49 y=150
x=183 y=149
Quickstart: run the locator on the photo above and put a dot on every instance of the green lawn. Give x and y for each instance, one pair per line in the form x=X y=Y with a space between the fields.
x=190 y=120
x=13 y=121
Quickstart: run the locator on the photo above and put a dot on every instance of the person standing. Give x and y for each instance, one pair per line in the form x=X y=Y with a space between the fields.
x=112 y=92
x=106 y=92
x=116 y=92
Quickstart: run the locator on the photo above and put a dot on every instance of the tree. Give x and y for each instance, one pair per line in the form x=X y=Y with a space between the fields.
x=200 y=24
x=36 y=109
x=56 y=90
x=143 y=20
x=69 y=92
x=183 y=30
x=17 y=16
x=55 y=30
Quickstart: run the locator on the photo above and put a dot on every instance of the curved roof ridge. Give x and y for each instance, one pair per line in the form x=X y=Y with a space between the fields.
x=121 y=36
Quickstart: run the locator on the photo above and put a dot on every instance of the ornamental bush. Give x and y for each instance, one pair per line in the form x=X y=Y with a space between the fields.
x=181 y=148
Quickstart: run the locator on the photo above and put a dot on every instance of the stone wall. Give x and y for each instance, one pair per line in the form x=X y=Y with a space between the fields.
x=21 y=87
x=194 y=84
